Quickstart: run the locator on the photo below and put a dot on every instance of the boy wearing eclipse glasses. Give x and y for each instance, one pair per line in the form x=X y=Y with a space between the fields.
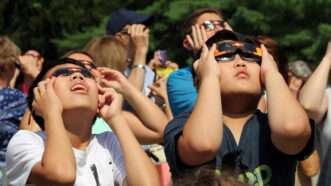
x=226 y=131
x=65 y=99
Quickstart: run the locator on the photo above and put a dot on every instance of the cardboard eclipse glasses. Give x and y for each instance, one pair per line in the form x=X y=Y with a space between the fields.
x=227 y=50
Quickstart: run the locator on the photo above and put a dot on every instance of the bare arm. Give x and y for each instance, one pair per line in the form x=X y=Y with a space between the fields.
x=202 y=133
x=153 y=119
x=57 y=166
x=140 y=39
x=139 y=168
x=312 y=95
x=290 y=128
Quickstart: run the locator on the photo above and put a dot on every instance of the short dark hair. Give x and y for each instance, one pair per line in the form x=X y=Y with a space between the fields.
x=66 y=55
x=192 y=19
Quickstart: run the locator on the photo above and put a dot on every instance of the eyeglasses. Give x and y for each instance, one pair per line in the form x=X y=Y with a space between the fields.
x=226 y=51
x=68 y=71
x=213 y=25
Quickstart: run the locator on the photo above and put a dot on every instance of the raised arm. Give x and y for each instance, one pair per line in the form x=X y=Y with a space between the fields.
x=289 y=124
x=151 y=117
x=139 y=168
x=140 y=39
x=58 y=165
x=312 y=95
x=202 y=133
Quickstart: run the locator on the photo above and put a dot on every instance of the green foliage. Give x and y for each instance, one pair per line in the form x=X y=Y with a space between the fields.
x=302 y=27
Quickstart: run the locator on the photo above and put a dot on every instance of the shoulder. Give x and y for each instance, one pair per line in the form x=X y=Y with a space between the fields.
x=108 y=140
x=27 y=137
x=177 y=123
x=182 y=73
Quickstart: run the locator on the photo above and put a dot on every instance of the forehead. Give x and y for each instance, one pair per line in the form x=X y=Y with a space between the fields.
x=80 y=57
x=34 y=52
x=208 y=17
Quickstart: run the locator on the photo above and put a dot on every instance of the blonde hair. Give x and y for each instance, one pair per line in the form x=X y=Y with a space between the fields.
x=108 y=51
x=9 y=54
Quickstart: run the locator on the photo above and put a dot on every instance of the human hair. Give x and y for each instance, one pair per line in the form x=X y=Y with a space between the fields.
x=277 y=53
x=204 y=176
x=71 y=52
x=9 y=54
x=48 y=65
x=300 y=69
x=192 y=19
x=108 y=51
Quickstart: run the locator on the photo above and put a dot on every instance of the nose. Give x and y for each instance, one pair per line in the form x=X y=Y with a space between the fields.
x=77 y=75
x=238 y=62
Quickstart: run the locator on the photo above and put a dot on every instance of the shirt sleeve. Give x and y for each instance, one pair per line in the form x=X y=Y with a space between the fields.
x=117 y=156
x=310 y=147
x=24 y=150
x=171 y=135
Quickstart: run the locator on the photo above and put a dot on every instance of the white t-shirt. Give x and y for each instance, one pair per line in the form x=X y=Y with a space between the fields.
x=324 y=130
x=102 y=160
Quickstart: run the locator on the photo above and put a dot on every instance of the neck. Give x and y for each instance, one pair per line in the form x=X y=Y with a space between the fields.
x=27 y=80
x=239 y=105
x=79 y=126
x=236 y=111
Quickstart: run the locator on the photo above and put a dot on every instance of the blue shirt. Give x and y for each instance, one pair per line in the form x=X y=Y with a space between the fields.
x=182 y=93
x=255 y=159
x=12 y=107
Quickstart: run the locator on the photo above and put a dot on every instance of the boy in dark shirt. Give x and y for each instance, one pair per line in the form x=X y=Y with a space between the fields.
x=261 y=148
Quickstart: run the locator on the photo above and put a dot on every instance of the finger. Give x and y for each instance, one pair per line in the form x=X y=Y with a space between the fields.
x=42 y=87
x=36 y=93
x=204 y=35
x=212 y=50
x=50 y=85
x=146 y=32
x=227 y=26
x=140 y=28
x=189 y=40
x=194 y=36
x=204 y=51
x=199 y=35
x=130 y=30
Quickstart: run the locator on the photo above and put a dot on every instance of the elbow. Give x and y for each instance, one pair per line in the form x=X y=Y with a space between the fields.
x=297 y=128
x=310 y=108
x=204 y=148
x=62 y=175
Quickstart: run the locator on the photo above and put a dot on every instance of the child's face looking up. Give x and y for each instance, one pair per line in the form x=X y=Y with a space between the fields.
x=240 y=77
x=75 y=86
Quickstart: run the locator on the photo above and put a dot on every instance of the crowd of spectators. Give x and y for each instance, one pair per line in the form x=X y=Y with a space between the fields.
x=241 y=114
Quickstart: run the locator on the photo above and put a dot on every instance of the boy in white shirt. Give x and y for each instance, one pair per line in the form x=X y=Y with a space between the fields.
x=66 y=98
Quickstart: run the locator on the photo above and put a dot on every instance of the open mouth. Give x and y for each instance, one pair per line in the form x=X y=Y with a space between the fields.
x=79 y=87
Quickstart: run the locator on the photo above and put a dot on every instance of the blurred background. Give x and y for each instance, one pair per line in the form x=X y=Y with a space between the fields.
x=302 y=27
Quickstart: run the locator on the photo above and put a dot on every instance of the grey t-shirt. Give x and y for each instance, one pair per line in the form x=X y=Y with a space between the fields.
x=323 y=130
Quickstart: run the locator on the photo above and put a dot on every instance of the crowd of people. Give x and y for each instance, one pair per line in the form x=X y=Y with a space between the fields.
x=241 y=114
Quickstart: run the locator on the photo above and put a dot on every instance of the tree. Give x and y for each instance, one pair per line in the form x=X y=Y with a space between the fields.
x=302 y=27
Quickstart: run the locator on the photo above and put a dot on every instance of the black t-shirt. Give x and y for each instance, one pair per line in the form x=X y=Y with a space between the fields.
x=256 y=159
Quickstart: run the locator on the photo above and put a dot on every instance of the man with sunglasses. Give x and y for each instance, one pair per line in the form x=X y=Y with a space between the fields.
x=197 y=28
x=226 y=130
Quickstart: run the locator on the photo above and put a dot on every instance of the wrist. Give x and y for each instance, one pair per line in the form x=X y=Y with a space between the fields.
x=140 y=52
x=115 y=120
